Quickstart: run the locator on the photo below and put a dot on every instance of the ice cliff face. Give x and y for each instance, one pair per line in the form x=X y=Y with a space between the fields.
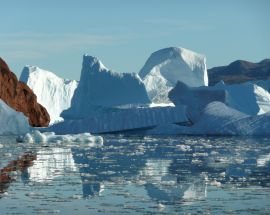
x=53 y=92
x=122 y=120
x=100 y=89
x=11 y=121
x=165 y=67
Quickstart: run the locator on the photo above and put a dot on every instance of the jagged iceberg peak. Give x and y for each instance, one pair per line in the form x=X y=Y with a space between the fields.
x=101 y=88
x=93 y=64
x=53 y=92
x=165 y=67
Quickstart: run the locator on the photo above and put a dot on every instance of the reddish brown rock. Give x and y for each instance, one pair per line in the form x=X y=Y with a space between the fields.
x=21 y=98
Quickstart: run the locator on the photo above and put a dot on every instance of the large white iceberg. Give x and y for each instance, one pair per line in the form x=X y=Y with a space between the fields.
x=247 y=98
x=11 y=121
x=219 y=119
x=123 y=120
x=165 y=67
x=53 y=92
x=100 y=89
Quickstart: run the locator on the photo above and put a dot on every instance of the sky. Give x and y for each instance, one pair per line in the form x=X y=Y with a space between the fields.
x=54 y=35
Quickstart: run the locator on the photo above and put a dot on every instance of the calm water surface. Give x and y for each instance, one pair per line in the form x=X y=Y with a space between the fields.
x=137 y=175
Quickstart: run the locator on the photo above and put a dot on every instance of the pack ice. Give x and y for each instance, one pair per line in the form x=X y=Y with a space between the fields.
x=165 y=67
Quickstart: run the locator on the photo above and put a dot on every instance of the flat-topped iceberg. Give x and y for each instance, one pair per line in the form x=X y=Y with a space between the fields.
x=165 y=67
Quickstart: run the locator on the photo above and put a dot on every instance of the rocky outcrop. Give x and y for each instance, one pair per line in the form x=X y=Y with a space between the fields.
x=21 y=98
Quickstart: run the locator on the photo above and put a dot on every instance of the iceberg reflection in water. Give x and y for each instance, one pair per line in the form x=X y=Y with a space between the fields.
x=139 y=175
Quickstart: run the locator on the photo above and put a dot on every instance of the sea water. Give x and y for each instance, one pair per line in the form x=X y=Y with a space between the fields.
x=137 y=175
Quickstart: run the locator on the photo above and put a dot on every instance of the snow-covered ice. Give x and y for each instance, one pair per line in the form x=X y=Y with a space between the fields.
x=11 y=121
x=165 y=67
x=53 y=92
x=100 y=89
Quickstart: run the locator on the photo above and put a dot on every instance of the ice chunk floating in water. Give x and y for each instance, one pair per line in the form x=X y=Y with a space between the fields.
x=50 y=137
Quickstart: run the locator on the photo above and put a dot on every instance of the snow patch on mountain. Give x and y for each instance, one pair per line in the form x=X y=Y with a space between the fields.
x=11 y=121
x=165 y=67
x=53 y=92
x=100 y=89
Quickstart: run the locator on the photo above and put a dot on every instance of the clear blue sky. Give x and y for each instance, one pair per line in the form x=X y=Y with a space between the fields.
x=54 y=34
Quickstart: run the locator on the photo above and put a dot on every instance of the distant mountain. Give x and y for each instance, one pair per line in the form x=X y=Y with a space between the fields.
x=240 y=71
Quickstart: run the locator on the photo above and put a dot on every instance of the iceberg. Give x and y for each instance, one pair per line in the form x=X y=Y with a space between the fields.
x=11 y=121
x=50 y=137
x=53 y=92
x=100 y=89
x=165 y=67
x=247 y=98
x=219 y=119
x=122 y=120
x=216 y=119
